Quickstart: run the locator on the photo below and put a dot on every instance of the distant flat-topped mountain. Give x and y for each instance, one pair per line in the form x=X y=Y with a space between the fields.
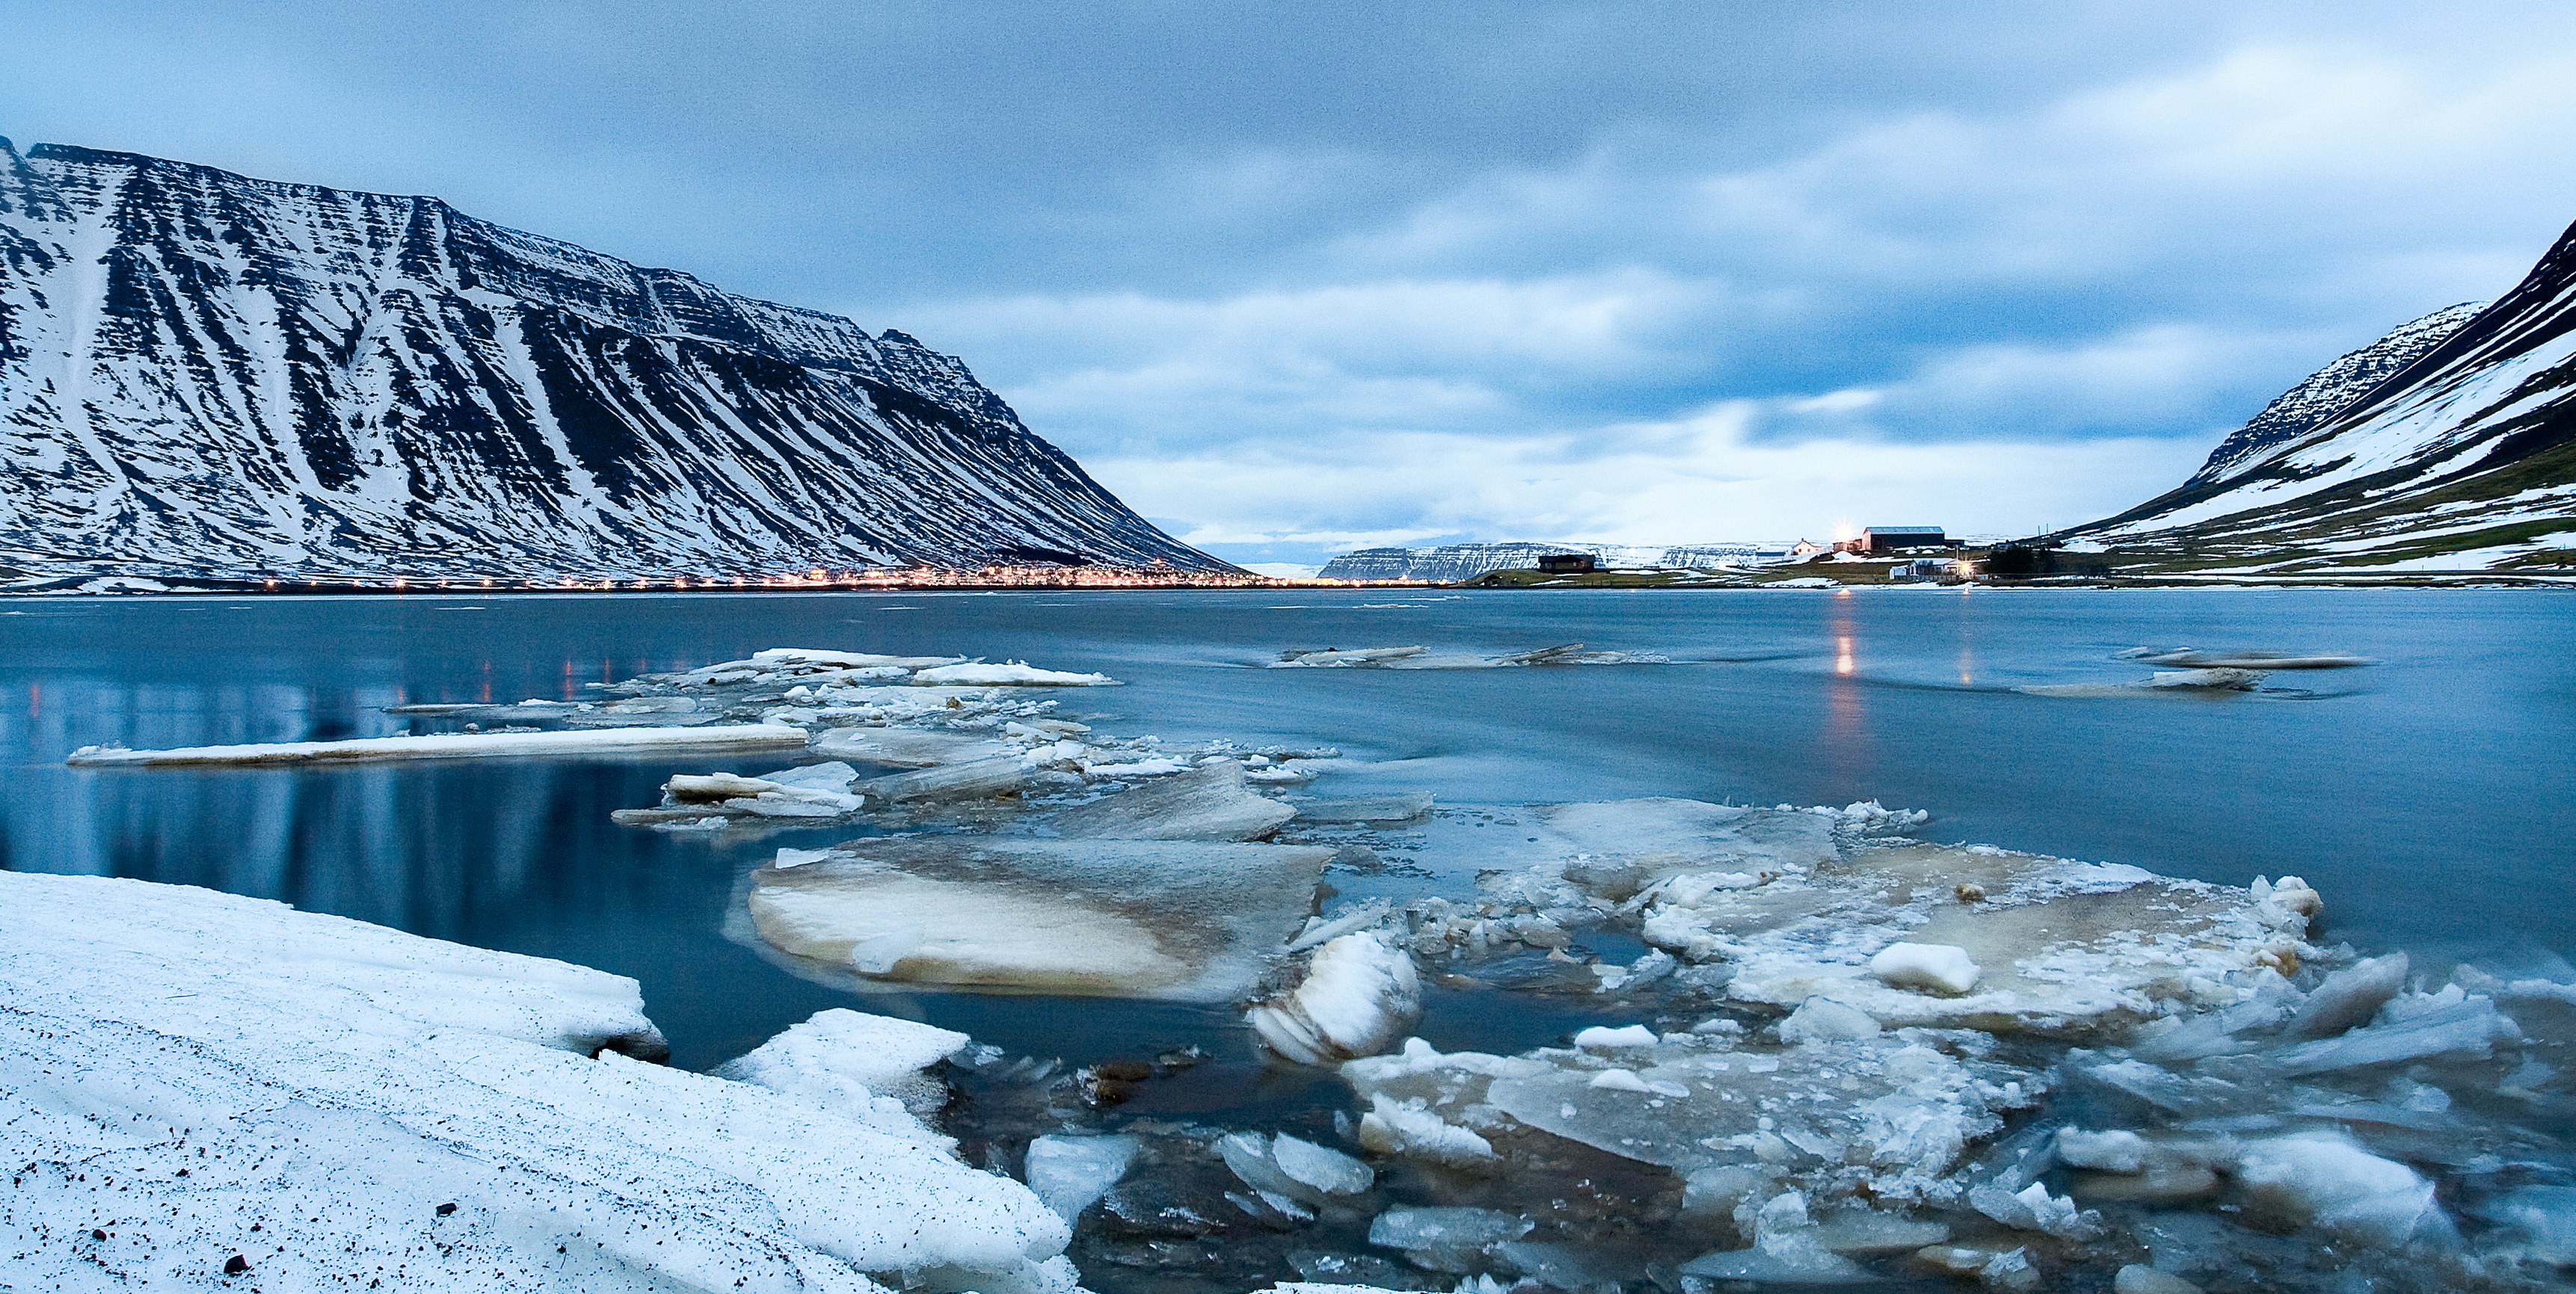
x=203 y=375
x=2448 y=446
x=1451 y=563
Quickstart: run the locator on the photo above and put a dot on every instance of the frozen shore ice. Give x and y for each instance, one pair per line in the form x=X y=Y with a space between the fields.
x=179 y=1067
x=874 y=1068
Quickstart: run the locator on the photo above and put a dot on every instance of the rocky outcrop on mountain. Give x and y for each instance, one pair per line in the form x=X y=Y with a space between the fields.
x=2331 y=390
x=1451 y=563
x=209 y=376
x=2460 y=460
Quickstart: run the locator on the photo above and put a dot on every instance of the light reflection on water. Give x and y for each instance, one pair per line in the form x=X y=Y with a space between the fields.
x=2443 y=770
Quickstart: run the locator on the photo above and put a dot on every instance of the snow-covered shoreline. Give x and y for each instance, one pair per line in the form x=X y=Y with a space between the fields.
x=196 y=1080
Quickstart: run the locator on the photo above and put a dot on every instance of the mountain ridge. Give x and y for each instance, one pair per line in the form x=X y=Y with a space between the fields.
x=205 y=375
x=2460 y=460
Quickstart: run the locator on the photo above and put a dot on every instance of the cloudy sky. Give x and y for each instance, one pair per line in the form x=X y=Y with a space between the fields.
x=1298 y=278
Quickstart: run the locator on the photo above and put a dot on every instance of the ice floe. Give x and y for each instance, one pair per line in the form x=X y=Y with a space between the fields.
x=199 y=1086
x=457 y=745
x=1423 y=658
x=2194 y=658
x=1206 y=803
x=1013 y=674
x=1188 y=920
x=908 y=747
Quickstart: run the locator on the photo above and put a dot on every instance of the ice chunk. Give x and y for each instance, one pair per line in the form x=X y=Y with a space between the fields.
x=1014 y=674
x=846 y=1059
x=978 y=779
x=1868 y=1231
x=1320 y=1167
x=1821 y=1019
x=1359 y=995
x=1070 y=1173
x=2249 y=660
x=812 y=659
x=2032 y=1208
x=1319 y=931
x=1393 y=1128
x=1209 y=803
x=2138 y=1278
x=1605 y=1038
x=712 y=788
x=1445 y=1239
x=2109 y=1152
x=1621 y=847
x=1330 y=657
x=1785 y=1251
x=1789 y=1260
x=1247 y=1156
x=370 y=1098
x=2349 y=997
x=1157 y=766
x=2467 y=1029
x=1168 y=919
x=457 y=745
x=2328 y=1180
x=1367 y=809
x=2220 y=680
x=1940 y=968
x=833 y=778
x=907 y=747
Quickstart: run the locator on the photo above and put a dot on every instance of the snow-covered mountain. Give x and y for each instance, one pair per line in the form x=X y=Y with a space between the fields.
x=2331 y=389
x=2447 y=446
x=1451 y=563
x=207 y=375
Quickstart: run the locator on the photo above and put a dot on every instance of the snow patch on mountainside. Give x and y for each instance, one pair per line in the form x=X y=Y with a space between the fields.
x=2460 y=458
x=204 y=375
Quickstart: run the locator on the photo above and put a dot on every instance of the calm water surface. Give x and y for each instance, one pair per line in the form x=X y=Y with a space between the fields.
x=2431 y=797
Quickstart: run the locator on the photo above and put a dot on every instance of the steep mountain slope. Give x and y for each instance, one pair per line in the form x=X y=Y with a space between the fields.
x=2330 y=390
x=2462 y=460
x=208 y=375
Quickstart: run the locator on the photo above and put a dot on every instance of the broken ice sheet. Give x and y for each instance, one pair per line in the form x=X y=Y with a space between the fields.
x=1182 y=920
x=2061 y=947
x=907 y=747
x=1898 y=1110
x=1364 y=809
x=1207 y=803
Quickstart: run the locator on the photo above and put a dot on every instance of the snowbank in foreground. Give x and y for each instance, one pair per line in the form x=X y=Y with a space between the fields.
x=199 y=1080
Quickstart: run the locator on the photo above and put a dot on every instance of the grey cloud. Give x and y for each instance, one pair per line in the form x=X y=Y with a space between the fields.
x=1189 y=234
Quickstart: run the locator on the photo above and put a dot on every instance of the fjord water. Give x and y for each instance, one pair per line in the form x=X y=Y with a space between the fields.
x=2431 y=796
